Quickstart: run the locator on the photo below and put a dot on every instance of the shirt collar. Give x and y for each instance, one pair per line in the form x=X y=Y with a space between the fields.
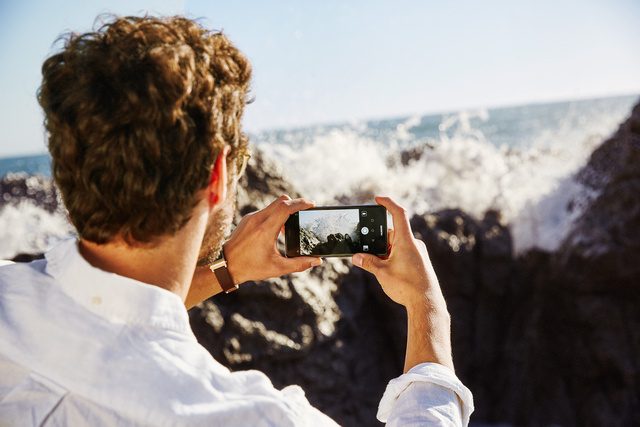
x=115 y=297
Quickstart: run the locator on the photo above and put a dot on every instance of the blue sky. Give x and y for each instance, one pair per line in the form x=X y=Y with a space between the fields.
x=337 y=61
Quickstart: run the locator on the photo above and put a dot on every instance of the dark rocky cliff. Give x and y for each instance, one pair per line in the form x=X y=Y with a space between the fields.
x=582 y=344
x=543 y=338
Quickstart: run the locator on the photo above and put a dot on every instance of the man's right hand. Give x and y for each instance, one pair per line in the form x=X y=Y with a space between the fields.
x=252 y=251
x=407 y=277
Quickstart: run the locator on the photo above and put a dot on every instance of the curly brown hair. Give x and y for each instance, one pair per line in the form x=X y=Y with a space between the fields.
x=137 y=113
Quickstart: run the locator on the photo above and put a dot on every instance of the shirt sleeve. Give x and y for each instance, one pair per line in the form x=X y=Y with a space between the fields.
x=307 y=415
x=429 y=394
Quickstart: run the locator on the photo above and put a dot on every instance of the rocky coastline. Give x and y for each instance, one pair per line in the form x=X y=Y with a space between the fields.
x=541 y=338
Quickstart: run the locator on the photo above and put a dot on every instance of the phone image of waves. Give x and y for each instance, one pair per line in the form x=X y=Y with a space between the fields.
x=326 y=232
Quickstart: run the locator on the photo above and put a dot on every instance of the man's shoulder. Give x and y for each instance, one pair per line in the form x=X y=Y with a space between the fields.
x=12 y=267
x=17 y=277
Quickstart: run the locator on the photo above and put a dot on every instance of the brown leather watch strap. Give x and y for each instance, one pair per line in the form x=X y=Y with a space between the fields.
x=221 y=271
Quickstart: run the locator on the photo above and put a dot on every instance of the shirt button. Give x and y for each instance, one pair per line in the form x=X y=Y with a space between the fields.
x=96 y=300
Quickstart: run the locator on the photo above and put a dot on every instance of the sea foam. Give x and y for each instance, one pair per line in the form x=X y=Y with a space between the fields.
x=30 y=229
x=518 y=162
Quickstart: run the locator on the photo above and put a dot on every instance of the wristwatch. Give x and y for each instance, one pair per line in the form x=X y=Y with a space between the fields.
x=219 y=268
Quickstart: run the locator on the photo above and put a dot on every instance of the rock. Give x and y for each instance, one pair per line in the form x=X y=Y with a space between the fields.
x=589 y=297
x=605 y=242
x=308 y=241
x=262 y=183
x=336 y=243
x=36 y=189
x=409 y=155
x=22 y=257
x=571 y=353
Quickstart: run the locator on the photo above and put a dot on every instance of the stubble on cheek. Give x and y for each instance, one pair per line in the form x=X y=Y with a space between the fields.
x=217 y=230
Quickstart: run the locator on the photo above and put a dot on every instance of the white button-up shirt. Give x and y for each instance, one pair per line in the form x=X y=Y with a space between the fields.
x=80 y=346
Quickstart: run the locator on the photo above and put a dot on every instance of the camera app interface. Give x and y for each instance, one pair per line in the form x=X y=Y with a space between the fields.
x=325 y=232
x=338 y=231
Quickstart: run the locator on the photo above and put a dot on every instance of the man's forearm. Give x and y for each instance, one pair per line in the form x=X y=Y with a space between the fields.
x=428 y=336
x=204 y=285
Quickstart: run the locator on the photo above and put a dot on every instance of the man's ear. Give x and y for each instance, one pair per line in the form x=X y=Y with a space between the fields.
x=217 y=188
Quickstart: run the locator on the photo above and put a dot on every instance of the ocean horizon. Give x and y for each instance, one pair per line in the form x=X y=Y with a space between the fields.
x=39 y=162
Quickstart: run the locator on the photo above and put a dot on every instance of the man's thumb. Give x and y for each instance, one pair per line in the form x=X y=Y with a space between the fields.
x=367 y=262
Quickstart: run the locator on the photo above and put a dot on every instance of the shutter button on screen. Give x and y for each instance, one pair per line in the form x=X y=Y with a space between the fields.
x=364 y=231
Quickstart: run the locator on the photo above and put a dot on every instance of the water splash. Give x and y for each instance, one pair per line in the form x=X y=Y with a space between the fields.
x=518 y=161
x=33 y=230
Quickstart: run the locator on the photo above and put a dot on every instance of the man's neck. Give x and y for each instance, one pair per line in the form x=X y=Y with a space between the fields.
x=169 y=263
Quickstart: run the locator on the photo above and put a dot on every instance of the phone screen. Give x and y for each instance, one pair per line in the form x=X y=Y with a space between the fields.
x=337 y=231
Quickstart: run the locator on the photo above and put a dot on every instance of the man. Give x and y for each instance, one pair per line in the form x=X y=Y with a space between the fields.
x=143 y=118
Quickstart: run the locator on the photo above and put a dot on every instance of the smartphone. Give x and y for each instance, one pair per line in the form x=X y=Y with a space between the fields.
x=337 y=231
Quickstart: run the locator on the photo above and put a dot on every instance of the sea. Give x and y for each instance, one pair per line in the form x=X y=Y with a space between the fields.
x=518 y=160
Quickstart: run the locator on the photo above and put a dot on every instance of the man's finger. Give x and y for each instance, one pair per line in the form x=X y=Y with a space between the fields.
x=273 y=205
x=284 y=208
x=297 y=264
x=398 y=213
x=368 y=262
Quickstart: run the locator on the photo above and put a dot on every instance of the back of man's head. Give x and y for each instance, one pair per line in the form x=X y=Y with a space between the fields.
x=137 y=114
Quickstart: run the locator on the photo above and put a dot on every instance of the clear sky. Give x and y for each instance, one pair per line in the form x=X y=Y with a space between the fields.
x=335 y=61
